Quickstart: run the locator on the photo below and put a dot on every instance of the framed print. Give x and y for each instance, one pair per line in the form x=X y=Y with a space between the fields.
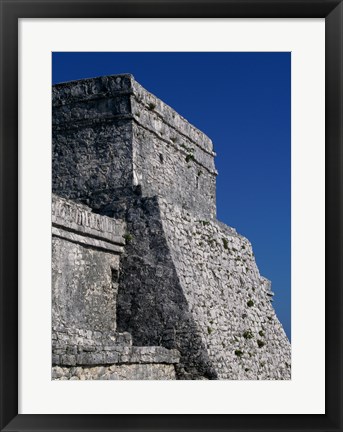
x=128 y=282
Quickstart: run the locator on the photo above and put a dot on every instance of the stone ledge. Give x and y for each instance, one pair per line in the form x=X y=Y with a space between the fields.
x=118 y=355
x=80 y=337
x=87 y=241
x=208 y=166
x=84 y=347
x=91 y=88
x=78 y=217
x=134 y=371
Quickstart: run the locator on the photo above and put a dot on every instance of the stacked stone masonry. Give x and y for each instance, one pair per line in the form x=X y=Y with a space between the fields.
x=147 y=284
x=85 y=269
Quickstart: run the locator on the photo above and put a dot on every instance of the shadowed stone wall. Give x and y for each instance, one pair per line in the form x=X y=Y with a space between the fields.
x=151 y=302
x=86 y=249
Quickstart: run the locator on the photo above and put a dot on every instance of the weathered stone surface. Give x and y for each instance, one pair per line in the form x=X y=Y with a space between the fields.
x=85 y=274
x=77 y=347
x=115 y=372
x=229 y=300
x=110 y=134
x=83 y=288
x=151 y=303
x=183 y=298
x=78 y=218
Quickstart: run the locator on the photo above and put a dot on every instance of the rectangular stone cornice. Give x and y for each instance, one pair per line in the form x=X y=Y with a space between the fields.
x=77 y=223
x=70 y=99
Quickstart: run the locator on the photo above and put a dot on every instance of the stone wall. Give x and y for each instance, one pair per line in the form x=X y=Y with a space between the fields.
x=128 y=371
x=192 y=284
x=85 y=267
x=110 y=134
x=185 y=283
x=86 y=250
x=151 y=301
x=91 y=138
x=171 y=158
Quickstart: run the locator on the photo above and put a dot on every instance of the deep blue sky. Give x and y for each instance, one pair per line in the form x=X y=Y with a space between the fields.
x=242 y=101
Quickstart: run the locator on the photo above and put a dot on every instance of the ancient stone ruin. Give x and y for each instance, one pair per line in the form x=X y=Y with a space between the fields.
x=146 y=282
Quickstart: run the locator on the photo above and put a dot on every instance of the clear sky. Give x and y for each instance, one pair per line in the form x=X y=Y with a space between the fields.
x=242 y=101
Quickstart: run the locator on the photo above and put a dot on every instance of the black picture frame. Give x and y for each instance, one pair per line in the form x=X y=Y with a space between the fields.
x=11 y=11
